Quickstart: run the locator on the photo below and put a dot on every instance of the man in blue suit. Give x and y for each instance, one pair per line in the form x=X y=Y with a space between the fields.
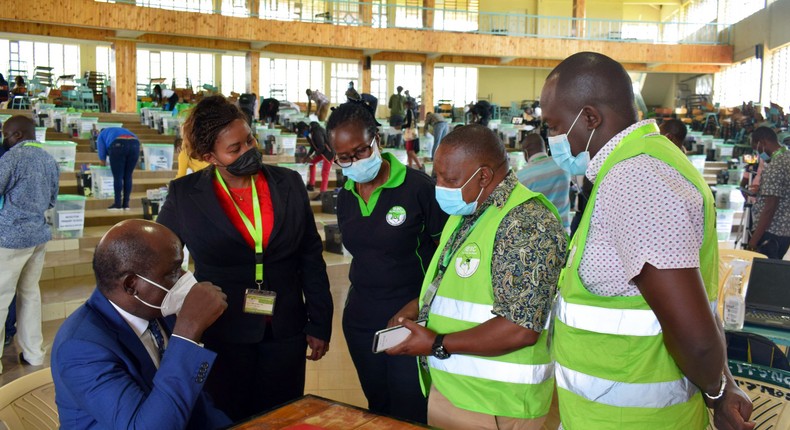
x=121 y=360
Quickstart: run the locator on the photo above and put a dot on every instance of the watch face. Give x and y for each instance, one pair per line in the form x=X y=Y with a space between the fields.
x=440 y=353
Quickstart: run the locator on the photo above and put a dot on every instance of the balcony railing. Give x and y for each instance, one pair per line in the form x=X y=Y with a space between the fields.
x=380 y=14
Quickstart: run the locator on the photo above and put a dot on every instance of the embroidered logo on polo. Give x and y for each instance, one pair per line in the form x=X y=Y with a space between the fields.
x=396 y=216
x=467 y=260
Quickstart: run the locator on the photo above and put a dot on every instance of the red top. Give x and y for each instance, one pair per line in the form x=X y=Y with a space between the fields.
x=243 y=198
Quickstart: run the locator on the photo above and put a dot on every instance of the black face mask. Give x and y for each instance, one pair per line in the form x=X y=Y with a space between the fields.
x=247 y=164
x=6 y=143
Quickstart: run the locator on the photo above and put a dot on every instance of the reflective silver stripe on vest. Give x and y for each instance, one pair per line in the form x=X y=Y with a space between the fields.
x=623 y=394
x=494 y=370
x=461 y=310
x=627 y=322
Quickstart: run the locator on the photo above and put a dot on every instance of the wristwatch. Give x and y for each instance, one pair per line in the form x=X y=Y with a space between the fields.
x=438 y=350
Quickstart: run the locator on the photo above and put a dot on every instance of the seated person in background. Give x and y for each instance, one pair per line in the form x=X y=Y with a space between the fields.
x=544 y=176
x=187 y=164
x=481 y=113
x=675 y=131
x=3 y=88
x=20 y=89
x=122 y=360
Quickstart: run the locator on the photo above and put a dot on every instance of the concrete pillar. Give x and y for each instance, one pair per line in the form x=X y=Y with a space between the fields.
x=427 y=87
x=87 y=57
x=365 y=75
x=253 y=76
x=579 y=11
x=124 y=90
x=427 y=13
x=366 y=12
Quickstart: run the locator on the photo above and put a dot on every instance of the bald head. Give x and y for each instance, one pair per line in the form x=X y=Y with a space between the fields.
x=131 y=247
x=478 y=143
x=590 y=78
x=674 y=130
x=17 y=129
x=533 y=144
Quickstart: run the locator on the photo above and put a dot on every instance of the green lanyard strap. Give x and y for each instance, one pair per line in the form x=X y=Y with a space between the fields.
x=255 y=231
x=35 y=145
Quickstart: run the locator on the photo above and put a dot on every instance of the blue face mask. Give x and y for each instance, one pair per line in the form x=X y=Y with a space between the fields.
x=365 y=170
x=451 y=200
x=561 y=152
x=765 y=157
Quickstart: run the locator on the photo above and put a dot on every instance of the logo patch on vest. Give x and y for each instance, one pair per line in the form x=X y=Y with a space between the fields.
x=396 y=216
x=467 y=260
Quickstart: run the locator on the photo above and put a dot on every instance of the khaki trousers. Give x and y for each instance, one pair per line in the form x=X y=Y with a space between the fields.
x=444 y=415
x=20 y=274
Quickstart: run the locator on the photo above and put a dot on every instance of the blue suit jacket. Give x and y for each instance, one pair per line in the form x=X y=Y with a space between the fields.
x=104 y=377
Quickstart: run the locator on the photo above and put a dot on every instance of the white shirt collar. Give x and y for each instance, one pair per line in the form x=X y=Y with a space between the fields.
x=597 y=162
x=138 y=325
x=536 y=155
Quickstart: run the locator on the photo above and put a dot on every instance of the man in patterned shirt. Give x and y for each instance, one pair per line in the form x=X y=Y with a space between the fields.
x=771 y=234
x=487 y=293
x=635 y=340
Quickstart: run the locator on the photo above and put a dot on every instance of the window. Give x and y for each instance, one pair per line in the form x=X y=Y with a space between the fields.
x=234 y=74
x=738 y=84
x=64 y=59
x=341 y=75
x=287 y=79
x=456 y=15
x=458 y=84
x=103 y=61
x=408 y=13
x=733 y=11
x=378 y=82
x=780 y=70
x=689 y=19
x=179 y=68
x=409 y=76
x=204 y=6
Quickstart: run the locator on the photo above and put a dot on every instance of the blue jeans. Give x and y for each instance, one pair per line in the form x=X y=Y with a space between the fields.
x=774 y=246
x=124 y=154
x=439 y=131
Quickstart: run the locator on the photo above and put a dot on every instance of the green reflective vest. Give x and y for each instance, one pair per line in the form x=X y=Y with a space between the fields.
x=518 y=384
x=612 y=368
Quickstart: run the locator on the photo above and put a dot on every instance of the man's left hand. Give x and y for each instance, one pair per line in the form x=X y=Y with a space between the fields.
x=318 y=348
x=419 y=342
x=732 y=412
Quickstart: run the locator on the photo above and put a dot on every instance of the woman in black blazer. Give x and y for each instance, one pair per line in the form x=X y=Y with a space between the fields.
x=260 y=357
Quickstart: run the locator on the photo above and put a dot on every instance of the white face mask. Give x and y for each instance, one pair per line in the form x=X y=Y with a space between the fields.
x=174 y=297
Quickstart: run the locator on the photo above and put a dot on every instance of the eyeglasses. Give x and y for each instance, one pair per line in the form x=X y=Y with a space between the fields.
x=361 y=153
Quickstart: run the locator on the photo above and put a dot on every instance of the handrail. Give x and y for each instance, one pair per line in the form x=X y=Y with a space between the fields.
x=379 y=14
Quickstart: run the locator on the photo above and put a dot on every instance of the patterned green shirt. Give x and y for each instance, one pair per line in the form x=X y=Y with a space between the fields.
x=529 y=252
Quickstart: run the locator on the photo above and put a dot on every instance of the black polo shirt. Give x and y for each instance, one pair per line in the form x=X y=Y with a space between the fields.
x=392 y=238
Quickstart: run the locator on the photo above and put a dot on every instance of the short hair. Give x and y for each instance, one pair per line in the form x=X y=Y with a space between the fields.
x=479 y=142
x=22 y=124
x=590 y=78
x=125 y=254
x=533 y=140
x=764 y=133
x=676 y=128
x=206 y=121
x=353 y=112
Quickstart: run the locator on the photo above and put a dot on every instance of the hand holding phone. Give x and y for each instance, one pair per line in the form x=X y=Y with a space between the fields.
x=390 y=337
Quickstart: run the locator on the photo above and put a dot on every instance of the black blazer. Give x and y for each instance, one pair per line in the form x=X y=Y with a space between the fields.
x=293 y=264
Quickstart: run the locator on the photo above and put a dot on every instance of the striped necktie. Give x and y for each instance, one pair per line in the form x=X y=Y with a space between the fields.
x=158 y=338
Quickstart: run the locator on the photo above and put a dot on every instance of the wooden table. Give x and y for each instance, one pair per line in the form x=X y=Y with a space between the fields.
x=317 y=413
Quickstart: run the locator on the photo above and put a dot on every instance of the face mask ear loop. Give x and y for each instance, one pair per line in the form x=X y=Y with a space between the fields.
x=588 y=141
x=470 y=178
x=574 y=122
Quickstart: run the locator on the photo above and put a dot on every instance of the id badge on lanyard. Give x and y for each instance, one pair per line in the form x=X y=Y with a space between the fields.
x=256 y=300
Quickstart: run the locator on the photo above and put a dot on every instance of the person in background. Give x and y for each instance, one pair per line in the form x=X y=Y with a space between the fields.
x=122 y=147
x=319 y=145
x=19 y=90
x=481 y=113
x=321 y=104
x=487 y=293
x=187 y=164
x=412 y=102
x=94 y=137
x=675 y=131
x=29 y=182
x=267 y=113
x=3 y=89
x=771 y=234
x=383 y=202
x=543 y=175
x=635 y=299
x=438 y=125
x=123 y=360
x=397 y=105
x=249 y=228
x=412 y=137
x=166 y=98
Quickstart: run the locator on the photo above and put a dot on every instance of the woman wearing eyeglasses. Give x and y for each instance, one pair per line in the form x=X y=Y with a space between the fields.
x=390 y=222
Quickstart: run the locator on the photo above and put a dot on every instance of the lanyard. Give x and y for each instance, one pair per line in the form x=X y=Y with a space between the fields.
x=777 y=152
x=446 y=258
x=35 y=145
x=255 y=231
